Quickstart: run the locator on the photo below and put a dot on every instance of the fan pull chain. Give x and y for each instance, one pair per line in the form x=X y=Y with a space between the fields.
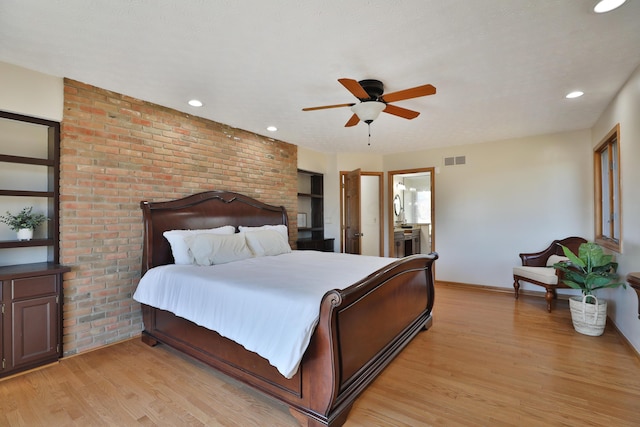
x=369 y=126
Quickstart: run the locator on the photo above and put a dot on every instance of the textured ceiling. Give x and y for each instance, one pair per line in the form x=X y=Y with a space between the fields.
x=501 y=67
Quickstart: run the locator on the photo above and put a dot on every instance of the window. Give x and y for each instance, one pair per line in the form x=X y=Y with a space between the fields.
x=607 y=191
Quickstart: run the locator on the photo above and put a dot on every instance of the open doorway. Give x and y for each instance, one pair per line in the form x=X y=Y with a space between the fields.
x=370 y=214
x=411 y=212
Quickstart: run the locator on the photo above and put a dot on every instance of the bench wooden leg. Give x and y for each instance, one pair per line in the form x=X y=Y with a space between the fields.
x=516 y=286
x=549 y=296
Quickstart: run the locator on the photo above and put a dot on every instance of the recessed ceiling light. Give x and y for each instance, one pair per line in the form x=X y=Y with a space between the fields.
x=272 y=128
x=195 y=103
x=607 y=5
x=574 y=94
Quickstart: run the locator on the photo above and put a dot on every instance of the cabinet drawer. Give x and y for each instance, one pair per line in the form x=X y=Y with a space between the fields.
x=325 y=245
x=29 y=287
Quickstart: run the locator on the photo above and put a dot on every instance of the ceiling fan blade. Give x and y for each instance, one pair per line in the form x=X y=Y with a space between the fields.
x=352 y=121
x=354 y=87
x=409 y=93
x=324 y=107
x=401 y=112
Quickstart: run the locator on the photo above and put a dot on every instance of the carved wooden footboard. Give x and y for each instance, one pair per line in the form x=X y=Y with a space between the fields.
x=361 y=328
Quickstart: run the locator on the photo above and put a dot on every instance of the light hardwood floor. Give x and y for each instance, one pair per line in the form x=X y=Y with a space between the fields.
x=488 y=360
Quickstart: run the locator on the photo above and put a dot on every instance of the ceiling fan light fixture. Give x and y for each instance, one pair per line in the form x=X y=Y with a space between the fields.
x=368 y=111
x=604 y=6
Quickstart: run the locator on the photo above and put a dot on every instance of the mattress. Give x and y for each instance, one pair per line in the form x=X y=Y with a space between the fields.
x=270 y=305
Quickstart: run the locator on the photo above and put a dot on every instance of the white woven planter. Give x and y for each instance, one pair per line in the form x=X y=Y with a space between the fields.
x=588 y=319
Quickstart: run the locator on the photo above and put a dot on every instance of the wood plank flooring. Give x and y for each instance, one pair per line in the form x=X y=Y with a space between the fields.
x=488 y=360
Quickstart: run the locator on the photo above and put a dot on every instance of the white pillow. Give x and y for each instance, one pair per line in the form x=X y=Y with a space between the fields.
x=179 y=248
x=554 y=259
x=282 y=229
x=210 y=249
x=267 y=242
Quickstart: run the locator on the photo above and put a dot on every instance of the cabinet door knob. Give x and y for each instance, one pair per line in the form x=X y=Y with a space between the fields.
x=358 y=234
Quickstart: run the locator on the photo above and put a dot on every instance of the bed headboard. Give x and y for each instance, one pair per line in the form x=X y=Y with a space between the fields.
x=198 y=211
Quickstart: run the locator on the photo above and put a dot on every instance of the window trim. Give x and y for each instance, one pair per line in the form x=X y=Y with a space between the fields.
x=615 y=206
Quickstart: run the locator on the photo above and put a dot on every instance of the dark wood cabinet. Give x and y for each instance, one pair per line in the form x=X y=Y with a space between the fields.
x=325 y=245
x=399 y=244
x=31 y=315
x=406 y=242
x=311 y=213
x=30 y=288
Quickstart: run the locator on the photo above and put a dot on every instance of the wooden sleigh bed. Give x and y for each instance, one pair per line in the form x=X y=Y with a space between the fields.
x=360 y=331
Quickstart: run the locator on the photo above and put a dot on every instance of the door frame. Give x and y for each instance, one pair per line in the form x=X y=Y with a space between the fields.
x=390 y=214
x=380 y=176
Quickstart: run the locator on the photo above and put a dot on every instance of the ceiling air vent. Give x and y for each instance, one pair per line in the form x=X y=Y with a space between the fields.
x=458 y=160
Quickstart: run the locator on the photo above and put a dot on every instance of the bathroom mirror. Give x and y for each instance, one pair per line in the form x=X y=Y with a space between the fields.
x=397 y=205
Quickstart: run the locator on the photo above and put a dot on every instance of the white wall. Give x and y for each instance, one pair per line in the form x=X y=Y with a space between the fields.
x=625 y=109
x=370 y=215
x=510 y=197
x=27 y=92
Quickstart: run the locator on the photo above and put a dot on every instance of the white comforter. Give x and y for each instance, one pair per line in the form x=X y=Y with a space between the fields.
x=270 y=305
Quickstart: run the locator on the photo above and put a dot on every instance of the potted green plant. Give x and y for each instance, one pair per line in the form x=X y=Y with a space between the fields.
x=591 y=269
x=23 y=222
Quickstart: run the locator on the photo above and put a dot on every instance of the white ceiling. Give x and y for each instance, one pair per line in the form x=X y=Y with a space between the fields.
x=501 y=67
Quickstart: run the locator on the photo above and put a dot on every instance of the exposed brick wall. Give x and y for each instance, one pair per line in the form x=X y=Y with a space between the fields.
x=115 y=152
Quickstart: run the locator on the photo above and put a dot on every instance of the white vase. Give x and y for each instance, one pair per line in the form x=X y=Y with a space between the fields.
x=25 y=234
x=588 y=319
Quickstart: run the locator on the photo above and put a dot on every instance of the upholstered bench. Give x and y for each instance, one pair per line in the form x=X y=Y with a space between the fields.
x=537 y=268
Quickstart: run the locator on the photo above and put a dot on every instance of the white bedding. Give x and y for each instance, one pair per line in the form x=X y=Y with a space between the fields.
x=270 y=305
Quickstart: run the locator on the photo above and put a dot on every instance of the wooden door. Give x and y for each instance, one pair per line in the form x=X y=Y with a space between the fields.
x=34 y=330
x=352 y=232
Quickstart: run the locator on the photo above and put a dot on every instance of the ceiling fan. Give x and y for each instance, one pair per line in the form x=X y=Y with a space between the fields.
x=373 y=101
